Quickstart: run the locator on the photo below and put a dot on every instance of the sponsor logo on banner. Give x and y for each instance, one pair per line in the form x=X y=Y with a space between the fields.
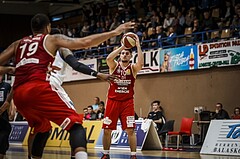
x=222 y=138
x=102 y=65
x=120 y=138
x=60 y=137
x=178 y=59
x=93 y=129
x=224 y=53
x=116 y=135
x=151 y=61
x=19 y=130
x=72 y=75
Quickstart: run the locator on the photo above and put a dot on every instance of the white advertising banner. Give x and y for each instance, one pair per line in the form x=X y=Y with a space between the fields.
x=223 y=53
x=151 y=61
x=72 y=75
x=223 y=138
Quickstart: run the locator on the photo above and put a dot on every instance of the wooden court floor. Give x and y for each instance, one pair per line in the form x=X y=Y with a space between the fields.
x=20 y=152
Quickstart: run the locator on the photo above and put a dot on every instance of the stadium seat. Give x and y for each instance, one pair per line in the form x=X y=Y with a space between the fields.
x=225 y=33
x=185 y=130
x=168 y=126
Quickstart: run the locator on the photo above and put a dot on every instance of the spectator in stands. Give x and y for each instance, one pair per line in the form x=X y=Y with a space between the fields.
x=227 y=11
x=85 y=114
x=138 y=32
x=113 y=26
x=208 y=22
x=220 y=113
x=236 y=114
x=190 y=16
x=196 y=29
x=96 y=103
x=92 y=27
x=91 y=114
x=167 y=21
x=101 y=110
x=156 y=115
x=177 y=27
x=236 y=23
x=171 y=8
x=181 y=18
x=160 y=32
x=171 y=39
x=153 y=37
x=85 y=29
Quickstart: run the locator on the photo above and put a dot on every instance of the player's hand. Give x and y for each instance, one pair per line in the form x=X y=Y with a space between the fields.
x=137 y=40
x=106 y=77
x=11 y=70
x=121 y=28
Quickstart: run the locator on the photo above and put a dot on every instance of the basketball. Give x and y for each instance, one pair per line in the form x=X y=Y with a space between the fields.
x=128 y=40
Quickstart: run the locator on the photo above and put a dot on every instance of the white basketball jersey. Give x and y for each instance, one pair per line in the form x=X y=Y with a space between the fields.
x=60 y=63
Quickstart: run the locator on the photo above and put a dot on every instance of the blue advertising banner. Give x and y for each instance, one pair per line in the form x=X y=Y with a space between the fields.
x=179 y=59
x=19 y=131
x=120 y=138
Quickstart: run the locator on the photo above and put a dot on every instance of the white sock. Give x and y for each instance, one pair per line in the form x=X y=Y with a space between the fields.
x=105 y=151
x=133 y=153
x=81 y=155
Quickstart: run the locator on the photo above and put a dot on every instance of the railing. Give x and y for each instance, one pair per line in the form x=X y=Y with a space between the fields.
x=180 y=40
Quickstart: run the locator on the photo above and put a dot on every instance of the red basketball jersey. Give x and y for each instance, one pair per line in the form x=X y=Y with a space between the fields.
x=33 y=61
x=123 y=88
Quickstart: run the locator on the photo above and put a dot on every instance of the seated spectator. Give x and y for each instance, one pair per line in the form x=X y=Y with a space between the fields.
x=236 y=114
x=171 y=39
x=86 y=116
x=101 y=110
x=156 y=115
x=96 y=104
x=220 y=112
x=91 y=114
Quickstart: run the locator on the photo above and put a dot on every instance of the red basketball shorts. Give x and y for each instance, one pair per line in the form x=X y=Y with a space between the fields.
x=41 y=103
x=123 y=110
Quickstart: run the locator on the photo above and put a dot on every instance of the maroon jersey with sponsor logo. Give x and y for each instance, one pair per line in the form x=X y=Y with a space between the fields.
x=123 y=88
x=32 y=60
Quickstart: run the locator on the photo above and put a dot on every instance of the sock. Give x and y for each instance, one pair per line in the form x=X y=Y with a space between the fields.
x=133 y=153
x=106 y=152
x=81 y=155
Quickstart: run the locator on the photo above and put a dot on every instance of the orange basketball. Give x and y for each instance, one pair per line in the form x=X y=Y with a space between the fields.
x=128 y=40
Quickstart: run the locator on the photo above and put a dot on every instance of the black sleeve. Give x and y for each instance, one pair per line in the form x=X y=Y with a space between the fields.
x=78 y=66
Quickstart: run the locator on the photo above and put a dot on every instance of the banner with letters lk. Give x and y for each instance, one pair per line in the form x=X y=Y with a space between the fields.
x=223 y=53
x=151 y=61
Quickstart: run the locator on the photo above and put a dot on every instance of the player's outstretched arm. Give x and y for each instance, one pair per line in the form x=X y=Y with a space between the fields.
x=53 y=42
x=68 y=57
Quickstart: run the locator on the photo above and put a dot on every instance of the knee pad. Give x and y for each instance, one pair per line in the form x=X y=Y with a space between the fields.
x=39 y=143
x=77 y=136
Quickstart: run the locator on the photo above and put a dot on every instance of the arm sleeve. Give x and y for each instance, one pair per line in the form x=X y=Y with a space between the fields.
x=78 y=66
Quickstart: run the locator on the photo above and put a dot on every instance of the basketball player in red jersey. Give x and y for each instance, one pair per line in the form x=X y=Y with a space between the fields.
x=120 y=104
x=33 y=95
